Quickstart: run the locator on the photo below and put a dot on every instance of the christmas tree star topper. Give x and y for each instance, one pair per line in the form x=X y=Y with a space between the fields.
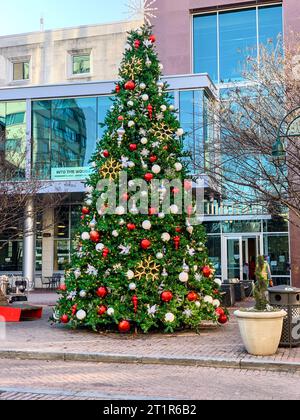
x=142 y=9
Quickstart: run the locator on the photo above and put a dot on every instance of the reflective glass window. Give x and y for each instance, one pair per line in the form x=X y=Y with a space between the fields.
x=238 y=40
x=277 y=249
x=81 y=64
x=12 y=140
x=206 y=45
x=270 y=25
x=21 y=71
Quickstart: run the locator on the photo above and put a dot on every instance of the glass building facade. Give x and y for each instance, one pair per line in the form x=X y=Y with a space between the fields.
x=65 y=133
x=224 y=40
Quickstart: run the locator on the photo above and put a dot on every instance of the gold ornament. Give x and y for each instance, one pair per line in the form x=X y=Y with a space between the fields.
x=132 y=68
x=110 y=169
x=162 y=131
x=148 y=269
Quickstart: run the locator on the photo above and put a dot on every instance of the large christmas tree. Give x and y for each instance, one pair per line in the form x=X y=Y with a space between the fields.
x=137 y=271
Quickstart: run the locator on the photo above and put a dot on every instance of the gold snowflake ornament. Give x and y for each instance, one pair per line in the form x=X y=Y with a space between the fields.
x=162 y=131
x=148 y=269
x=132 y=68
x=110 y=169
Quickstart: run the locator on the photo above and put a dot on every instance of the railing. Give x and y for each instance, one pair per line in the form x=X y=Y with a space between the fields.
x=216 y=208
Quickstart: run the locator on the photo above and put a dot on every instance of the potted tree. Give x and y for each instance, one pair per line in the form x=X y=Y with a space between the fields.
x=261 y=326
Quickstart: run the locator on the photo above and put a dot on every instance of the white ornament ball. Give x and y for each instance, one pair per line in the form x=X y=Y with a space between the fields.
x=172 y=108
x=161 y=66
x=147 y=225
x=190 y=230
x=143 y=86
x=100 y=247
x=82 y=294
x=110 y=312
x=156 y=169
x=163 y=108
x=184 y=277
x=148 y=63
x=85 y=236
x=170 y=317
x=81 y=315
x=93 y=164
x=89 y=202
x=115 y=233
x=144 y=140
x=145 y=97
x=161 y=215
x=198 y=304
x=208 y=299
x=122 y=222
x=131 y=164
x=120 y=211
x=216 y=303
x=130 y=103
x=166 y=237
x=139 y=31
x=174 y=209
x=89 y=190
x=132 y=286
x=130 y=275
x=180 y=132
x=159 y=255
x=131 y=124
x=218 y=282
x=178 y=167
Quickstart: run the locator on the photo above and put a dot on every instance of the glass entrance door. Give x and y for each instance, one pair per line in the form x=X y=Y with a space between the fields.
x=234 y=260
x=238 y=253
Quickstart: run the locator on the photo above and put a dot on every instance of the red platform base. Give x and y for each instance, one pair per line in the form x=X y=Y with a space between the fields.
x=20 y=312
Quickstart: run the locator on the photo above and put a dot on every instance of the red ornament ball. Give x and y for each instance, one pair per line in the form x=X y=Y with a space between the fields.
x=118 y=88
x=64 y=319
x=153 y=159
x=152 y=211
x=146 y=244
x=102 y=310
x=192 y=296
x=152 y=38
x=105 y=252
x=133 y=147
x=106 y=153
x=148 y=177
x=74 y=309
x=220 y=312
x=178 y=229
x=85 y=210
x=167 y=296
x=102 y=292
x=124 y=327
x=95 y=236
x=130 y=85
x=223 y=319
x=206 y=271
x=131 y=227
x=188 y=185
x=120 y=118
x=166 y=148
x=137 y=44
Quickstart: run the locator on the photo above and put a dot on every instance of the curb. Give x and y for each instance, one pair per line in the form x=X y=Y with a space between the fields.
x=211 y=362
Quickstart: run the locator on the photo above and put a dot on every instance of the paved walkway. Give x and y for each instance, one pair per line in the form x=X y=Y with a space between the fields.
x=41 y=380
x=217 y=346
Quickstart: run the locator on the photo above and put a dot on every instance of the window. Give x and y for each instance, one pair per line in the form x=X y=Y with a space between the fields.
x=21 y=71
x=224 y=40
x=65 y=133
x=81 y=64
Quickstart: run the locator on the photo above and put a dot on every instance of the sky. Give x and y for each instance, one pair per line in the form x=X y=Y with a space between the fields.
x=20 y=16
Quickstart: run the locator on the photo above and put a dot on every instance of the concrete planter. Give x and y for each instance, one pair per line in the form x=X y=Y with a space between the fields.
x=261 y=331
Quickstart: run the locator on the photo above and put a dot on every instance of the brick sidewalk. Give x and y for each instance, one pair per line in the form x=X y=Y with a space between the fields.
x=220 y=344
